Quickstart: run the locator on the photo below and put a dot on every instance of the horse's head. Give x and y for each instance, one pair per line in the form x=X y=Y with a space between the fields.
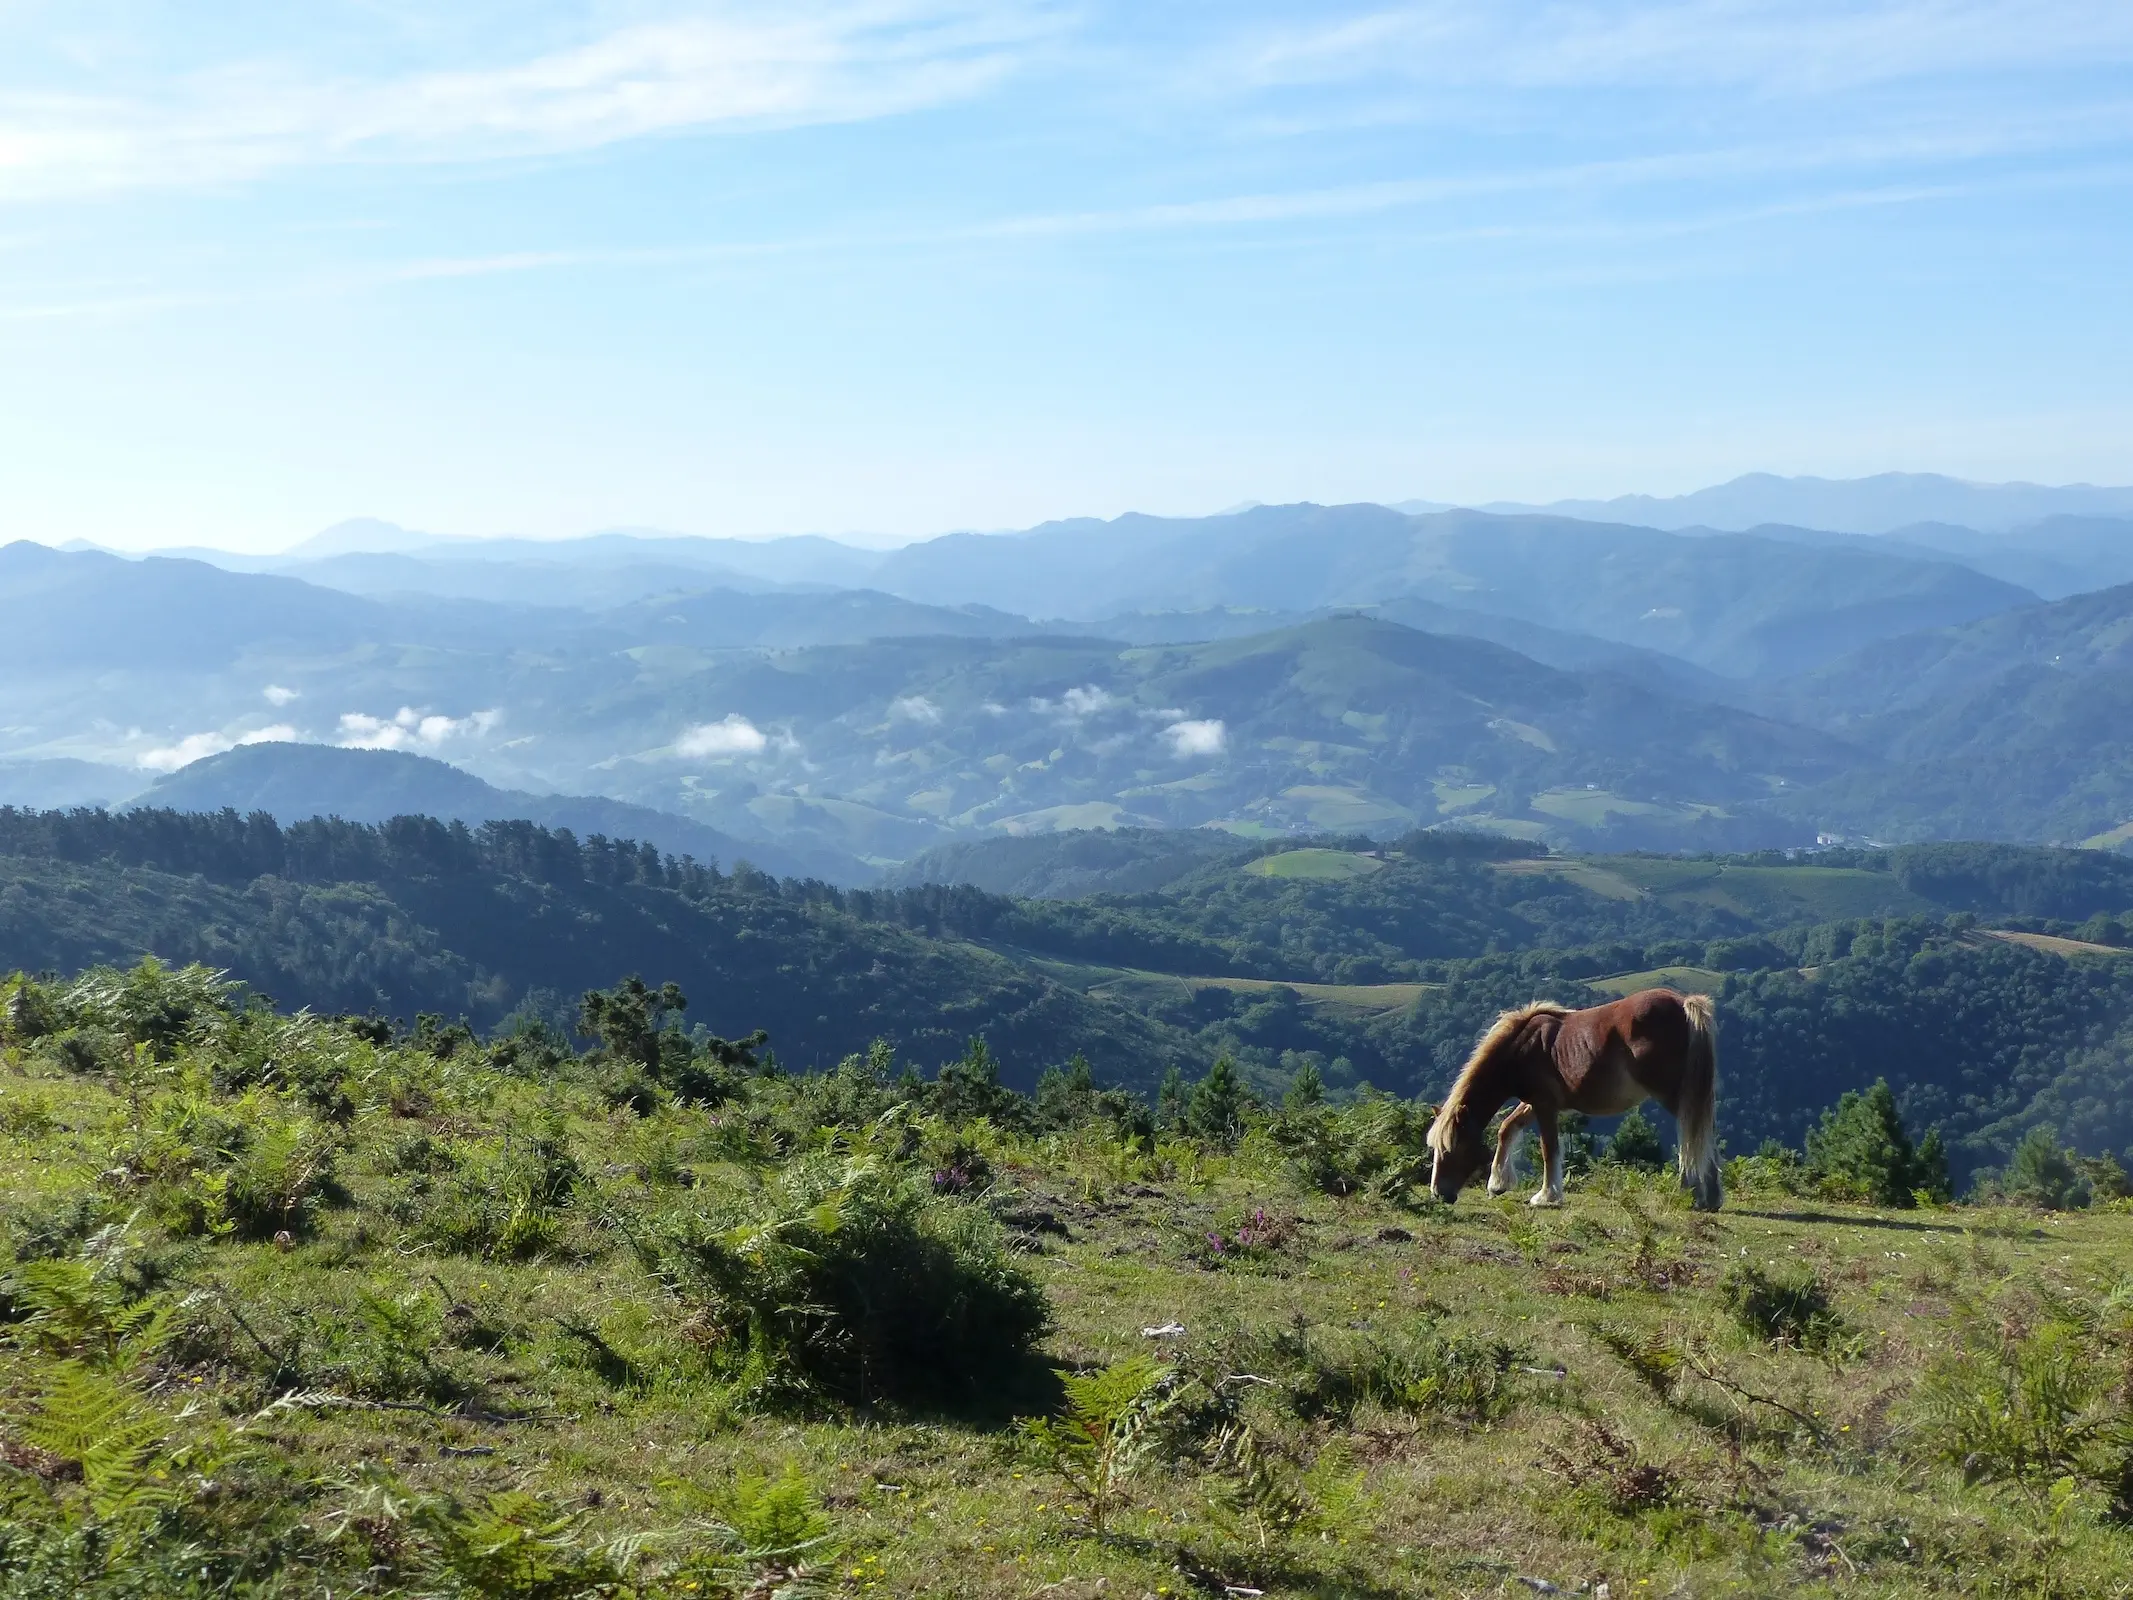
x=1459 y=1137
x=1458 y=1141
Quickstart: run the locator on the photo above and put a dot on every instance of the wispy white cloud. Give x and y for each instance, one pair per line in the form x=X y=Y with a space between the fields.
x=733 y=735
x=914 y=708
x=199 y=746
x=725 y=65
x=276 y=695
x=409 y=729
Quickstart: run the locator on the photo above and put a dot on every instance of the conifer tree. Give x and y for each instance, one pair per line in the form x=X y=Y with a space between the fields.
x=1170 y=1100
x=1216 y=1111
x=1636 y=1143
x=2042 y=1172
x=1306 y=1090
x=1861 y=1145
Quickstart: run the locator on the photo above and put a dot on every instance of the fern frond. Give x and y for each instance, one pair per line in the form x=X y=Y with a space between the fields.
x=117 y=1436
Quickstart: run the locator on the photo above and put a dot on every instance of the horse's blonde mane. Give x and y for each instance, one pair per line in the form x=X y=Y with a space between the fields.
x=1440 y=1131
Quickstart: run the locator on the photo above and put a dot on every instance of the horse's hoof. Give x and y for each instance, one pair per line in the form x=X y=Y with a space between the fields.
x=1549 y=1200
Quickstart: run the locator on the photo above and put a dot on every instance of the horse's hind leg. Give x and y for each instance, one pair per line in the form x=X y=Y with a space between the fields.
x=1551 y=1189
x=1513 y=1129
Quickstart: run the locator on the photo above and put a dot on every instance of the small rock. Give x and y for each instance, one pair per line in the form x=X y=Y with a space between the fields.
x=1168 y=1330
x=1395 y=1236
x=1538 y=1585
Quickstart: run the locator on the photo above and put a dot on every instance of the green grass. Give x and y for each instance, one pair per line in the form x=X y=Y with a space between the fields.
x=1316 y=865
x=1602 y=881
x=420 y=1395
x=1339 y=809
x=2053 y=944
x=1590 y=808
x=1452 y=796
x=1770 y=894
x=1688 y=980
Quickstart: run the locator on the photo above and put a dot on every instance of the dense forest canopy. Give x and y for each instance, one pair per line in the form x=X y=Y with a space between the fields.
x=1357 y=962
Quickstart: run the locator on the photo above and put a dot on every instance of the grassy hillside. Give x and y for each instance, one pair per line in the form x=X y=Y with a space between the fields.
x=291 y=1310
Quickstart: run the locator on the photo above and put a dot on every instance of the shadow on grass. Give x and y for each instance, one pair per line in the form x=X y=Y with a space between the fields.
x=1028 y=1387
x=1892 y=1223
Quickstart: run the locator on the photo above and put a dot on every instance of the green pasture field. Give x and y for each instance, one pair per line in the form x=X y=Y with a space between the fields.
x=475 y=1365
x=1765 y=895
x=1315 y=865
x=1687 y=980
x=1768 y=894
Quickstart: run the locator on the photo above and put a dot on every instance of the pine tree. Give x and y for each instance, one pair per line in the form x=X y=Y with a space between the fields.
x=1170 y=1100
x=1067 y=1096
x=1306 y=1090
x=1929 y=1170
x=2042 y=1172
x=970 y=1088
x=1636 y=1143
x=1216 y=1111
x=1862 y=1147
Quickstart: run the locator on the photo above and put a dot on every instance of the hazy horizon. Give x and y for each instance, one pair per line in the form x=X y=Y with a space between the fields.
x=440 y=540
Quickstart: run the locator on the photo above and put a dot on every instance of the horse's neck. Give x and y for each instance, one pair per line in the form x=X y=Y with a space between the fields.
x=1494 y=1081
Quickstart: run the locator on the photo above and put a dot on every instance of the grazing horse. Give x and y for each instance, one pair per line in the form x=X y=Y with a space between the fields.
x=1655 y=1044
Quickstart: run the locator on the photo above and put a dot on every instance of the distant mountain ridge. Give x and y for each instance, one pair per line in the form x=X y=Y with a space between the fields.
x=293 y=782
x=1882 y=503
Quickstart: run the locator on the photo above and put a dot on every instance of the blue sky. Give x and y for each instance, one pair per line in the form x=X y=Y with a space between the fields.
x=897 y=267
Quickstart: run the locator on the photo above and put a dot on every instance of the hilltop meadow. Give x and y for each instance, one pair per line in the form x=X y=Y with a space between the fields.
x=299 y=1305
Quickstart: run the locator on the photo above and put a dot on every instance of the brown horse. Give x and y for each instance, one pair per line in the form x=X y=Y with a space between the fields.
x=1655 y=1044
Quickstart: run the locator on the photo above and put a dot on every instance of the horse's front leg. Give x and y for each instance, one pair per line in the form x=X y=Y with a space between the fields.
x=1551 y=1189
x=1507 y=1137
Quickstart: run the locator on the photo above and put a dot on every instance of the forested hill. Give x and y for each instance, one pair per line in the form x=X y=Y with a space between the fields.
x=1365 y=963
x=415 y=915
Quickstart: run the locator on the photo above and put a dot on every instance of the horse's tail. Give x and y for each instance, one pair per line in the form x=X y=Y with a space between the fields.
x=1697 y=1112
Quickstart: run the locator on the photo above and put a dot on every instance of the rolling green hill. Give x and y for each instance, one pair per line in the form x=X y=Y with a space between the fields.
x=2009 y=727
x=510 y=918
x=1382 y=972
x=1338 y=725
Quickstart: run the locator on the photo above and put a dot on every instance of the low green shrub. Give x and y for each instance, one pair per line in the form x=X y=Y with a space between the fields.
x=1377 y=1145
x=849 y=1277
x=2026 y=1407
x=1784 y=1306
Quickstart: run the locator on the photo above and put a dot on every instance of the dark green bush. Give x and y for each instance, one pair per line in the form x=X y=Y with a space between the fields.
x=850 y=1278
x=2042 y=1173
x=1861 y=1151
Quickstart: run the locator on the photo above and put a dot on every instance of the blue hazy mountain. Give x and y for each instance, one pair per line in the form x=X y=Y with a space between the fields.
x=294 y=781
x=1879 y=504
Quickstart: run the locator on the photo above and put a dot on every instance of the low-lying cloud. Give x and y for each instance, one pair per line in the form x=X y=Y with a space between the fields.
x=199 y=746
x=1197 y=738
x=914 y=708
x=409 y=729
x=734 y=735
